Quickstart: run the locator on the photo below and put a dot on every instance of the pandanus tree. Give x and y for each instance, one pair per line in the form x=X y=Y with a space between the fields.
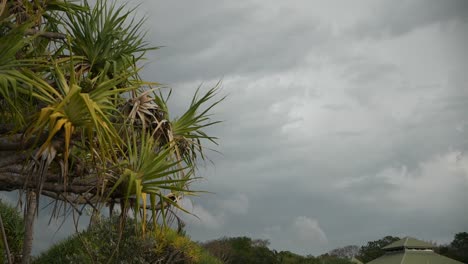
x=78 y=123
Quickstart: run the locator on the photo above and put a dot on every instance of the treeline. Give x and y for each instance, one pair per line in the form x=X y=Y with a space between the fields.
x=103 y=242
x=241 y=250
x=238 y=250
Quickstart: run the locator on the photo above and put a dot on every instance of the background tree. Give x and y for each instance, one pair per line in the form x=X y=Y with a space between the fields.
x=460 y=246
x=457 y=249
x=329 y=259
x=256 y=251
x=221 y=249
x=287 y=257
x=241 y=250
x=347 y=252
x=77 y=122
x=373 y=249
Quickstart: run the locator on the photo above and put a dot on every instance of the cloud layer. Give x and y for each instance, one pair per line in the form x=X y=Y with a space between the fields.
x=344 y=122
x=351 y=115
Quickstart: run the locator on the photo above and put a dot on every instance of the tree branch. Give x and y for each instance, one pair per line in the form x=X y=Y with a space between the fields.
x=12 y=181
x=16 y=142
x=45 y=34
x=10 y=158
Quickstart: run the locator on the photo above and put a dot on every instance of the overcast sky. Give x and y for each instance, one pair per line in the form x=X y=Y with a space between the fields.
x=345 y=121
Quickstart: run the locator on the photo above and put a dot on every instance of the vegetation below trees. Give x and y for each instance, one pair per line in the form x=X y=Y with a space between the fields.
x=105 y=242
x=13 y=226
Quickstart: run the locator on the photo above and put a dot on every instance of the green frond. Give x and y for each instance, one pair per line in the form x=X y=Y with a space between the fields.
x=187 y=131
x=117 y=41
x=12 y=104
x=64 y=6
x=149 y=170
x=69 y=112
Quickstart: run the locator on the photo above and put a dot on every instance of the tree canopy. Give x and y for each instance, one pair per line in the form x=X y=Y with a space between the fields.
x=457 y=249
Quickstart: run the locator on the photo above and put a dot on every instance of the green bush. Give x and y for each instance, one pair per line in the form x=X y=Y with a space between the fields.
x=14 y=230
x=102 y=244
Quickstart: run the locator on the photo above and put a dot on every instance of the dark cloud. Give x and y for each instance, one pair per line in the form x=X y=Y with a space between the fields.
x=211 y=40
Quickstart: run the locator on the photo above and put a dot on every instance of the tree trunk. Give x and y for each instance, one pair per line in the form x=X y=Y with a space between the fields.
x=30 y=216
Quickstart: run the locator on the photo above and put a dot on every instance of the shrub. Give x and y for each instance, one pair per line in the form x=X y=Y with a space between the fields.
x=102 y=243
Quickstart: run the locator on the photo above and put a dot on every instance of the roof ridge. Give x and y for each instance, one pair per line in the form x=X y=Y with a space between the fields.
x=403 y=258
x=408 y=242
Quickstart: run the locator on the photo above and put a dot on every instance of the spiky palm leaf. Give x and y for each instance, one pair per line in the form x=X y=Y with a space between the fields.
x=187 y=130
x=10 y=44
x=116 y=44
x=68 y=109
x=146 y=169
